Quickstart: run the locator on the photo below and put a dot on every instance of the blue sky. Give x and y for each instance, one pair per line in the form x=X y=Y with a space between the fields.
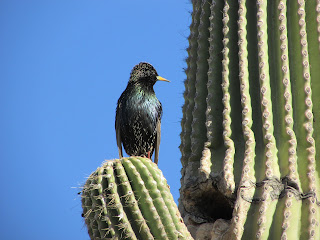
x=63 y=66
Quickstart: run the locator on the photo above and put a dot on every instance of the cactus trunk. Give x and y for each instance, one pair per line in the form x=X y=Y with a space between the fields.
x=250 y=137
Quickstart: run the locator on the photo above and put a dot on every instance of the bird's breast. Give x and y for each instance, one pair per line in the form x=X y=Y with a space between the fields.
x=145 y=105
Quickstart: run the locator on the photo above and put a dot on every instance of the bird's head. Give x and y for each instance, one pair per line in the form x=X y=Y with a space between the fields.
x=145 y=74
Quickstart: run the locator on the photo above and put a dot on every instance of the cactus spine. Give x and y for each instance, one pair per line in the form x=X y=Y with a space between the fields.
x=250 y=141
x=130 y=199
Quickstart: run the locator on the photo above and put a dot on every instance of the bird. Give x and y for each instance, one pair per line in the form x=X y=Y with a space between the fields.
x=138 y=114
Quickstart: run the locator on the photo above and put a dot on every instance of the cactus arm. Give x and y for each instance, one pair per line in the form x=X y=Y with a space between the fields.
x=124 y=199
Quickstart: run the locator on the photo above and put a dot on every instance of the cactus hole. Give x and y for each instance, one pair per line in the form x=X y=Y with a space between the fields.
x=214 y=205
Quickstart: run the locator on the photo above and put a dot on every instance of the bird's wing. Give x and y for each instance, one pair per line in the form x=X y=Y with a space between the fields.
x=157 y=143
x=118 y=134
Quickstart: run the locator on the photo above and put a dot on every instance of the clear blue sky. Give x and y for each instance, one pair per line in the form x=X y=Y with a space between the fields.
x=63 y=65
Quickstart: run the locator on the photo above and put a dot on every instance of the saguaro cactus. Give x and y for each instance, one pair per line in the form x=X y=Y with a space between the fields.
x=130 y=199
x=250 y=137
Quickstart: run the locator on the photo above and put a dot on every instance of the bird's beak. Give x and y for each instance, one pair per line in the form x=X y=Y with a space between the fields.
x=162 y=79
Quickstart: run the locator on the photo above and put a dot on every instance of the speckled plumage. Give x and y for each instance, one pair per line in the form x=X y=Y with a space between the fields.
x=138 y=114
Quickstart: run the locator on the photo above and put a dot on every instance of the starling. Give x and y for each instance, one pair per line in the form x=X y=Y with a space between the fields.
x=138 y=114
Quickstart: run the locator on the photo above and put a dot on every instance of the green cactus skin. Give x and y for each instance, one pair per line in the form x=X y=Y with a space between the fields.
x=130 y=199
x=250 y=139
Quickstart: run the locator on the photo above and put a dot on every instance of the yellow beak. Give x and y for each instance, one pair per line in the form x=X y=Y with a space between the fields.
x=162 y=79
